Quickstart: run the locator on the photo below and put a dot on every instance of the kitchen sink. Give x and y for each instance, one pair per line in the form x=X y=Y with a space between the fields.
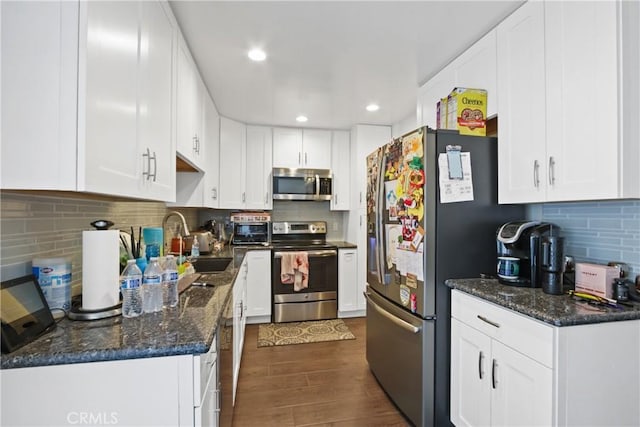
x=211 y=264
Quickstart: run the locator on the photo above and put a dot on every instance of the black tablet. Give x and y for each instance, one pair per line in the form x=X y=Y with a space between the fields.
x=24 y=312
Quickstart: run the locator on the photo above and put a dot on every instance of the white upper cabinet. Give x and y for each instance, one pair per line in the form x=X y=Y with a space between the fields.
x=212 y=149
x=101 y=96
x=568 y=102
x=297 y=148
x=258 y=168
x=232 y=164
x=474 y=68
x=341 y=171
x=190 y=114
x=522 y=168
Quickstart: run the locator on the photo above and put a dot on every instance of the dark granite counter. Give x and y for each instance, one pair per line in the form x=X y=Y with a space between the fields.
x=188 y=328
x=557 y=310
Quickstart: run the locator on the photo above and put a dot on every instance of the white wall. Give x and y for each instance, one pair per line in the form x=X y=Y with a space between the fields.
x=405 y=125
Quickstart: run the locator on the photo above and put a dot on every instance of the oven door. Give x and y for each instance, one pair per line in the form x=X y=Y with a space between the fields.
x=318 y=300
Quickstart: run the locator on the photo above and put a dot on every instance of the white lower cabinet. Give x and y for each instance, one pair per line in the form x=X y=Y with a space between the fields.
x=259 y=286
x=349 y=291
x=239 y=321
x=508 y=369
x=157 y=391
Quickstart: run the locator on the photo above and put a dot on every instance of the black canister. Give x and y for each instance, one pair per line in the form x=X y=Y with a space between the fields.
x=552 y=264
x=620 y=290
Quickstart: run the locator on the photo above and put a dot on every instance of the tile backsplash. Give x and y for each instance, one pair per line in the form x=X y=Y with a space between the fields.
x=42 y=225
x=597 y=232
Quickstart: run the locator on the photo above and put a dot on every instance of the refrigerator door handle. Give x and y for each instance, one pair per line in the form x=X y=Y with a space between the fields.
x=379 y=204
x=404 y=325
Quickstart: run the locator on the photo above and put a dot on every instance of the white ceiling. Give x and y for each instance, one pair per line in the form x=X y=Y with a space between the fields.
x=328 y=59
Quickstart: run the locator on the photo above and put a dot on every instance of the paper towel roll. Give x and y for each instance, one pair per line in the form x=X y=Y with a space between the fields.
x=100 y=269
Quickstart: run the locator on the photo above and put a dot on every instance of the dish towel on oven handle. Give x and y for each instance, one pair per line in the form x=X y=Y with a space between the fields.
x=294 y=269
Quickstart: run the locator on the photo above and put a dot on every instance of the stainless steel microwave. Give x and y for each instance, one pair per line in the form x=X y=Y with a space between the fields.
x=301 y=184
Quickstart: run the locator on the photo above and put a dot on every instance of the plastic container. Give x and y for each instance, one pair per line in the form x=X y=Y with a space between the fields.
x=152 y=287
x=131 y=289
x=170 y=283
x=195 y=248
x=153 y=240
x=54 y=277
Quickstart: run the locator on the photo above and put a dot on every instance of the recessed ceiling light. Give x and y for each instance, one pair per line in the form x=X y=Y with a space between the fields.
x=301 y=119
x=257 y=55
x=373 y=107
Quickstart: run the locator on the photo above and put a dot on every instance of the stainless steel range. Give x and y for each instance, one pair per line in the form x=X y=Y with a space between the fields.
x=304 y=276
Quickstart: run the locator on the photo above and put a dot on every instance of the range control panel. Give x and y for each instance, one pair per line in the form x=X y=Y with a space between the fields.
x=305 y=227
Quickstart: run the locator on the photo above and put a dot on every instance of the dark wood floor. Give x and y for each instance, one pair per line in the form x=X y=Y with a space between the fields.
x=319 y=384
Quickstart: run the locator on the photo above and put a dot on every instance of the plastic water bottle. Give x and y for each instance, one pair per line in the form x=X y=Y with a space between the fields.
x=152 y=287
x=131 y=289
x=170 y=283
x=195 y=248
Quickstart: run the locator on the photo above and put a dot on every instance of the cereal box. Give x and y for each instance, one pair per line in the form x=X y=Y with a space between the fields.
x=467 y=111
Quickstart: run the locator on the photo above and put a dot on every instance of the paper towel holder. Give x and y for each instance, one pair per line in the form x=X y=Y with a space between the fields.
x=79 y=313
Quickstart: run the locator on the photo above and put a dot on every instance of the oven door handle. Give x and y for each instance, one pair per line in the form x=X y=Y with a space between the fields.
x=398 y=321
x=315 y=254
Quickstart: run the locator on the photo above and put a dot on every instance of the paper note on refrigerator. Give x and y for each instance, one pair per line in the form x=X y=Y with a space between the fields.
x=455 y=190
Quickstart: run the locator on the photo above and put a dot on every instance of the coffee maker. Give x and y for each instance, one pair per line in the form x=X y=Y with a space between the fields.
x=537 y=248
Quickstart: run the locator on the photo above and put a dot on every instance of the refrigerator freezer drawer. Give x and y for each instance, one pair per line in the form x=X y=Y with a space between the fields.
x=401 y=356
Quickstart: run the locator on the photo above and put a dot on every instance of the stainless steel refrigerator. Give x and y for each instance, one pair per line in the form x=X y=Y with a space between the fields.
x=432 y=214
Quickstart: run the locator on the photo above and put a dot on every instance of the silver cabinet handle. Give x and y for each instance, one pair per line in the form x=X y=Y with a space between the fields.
x=305 y=159
x=552 y=174
x=299 y=157
x=316 y=254
x=480 y=360
x=155 y=166
x=214 y=193
x=484 y=319
x=244 y=197
x=148 y=171
x=536 y=174
x=195 y=143
x=335 y=199
x=494 y=368
x=266 y=197
x=398 y=321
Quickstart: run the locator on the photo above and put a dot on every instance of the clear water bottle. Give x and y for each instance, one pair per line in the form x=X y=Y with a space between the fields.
x=170 y=283
x=195 y=248
x=152 y=287
x=131 y=289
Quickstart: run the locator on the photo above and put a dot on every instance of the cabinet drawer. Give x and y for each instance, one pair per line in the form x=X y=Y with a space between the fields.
x=523 y=334
x=203 y=365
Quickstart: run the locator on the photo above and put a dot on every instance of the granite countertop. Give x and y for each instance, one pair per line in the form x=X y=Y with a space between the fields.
x=188 y=328
x=343 y=245
x=557 y=310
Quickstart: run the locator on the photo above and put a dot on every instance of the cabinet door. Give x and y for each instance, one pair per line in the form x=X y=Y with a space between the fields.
x=347 y=281
x=470 y=376
x=206 y=415
x=287 y=148
x=157 y=47
x=258 y=158
x=232 y=164
x=316 y=149
x=437 y=87
x=190 y=94
x=39 y=95
x=521 y=389
x=109 y=158
x=476 y=68
x=212 y=149
x=582 y=104
x=259 y=283
x=341 y=169
x=522 y=165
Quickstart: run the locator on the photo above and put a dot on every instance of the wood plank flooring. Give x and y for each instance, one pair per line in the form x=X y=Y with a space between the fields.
x=319 y=384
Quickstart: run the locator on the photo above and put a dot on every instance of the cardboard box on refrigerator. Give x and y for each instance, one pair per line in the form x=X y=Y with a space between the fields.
x=596 y=279
x=467 y=111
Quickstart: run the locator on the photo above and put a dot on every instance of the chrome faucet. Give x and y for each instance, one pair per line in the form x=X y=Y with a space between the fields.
x=185 y=229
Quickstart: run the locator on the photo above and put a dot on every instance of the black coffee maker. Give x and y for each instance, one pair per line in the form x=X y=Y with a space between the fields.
x=538 y=248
